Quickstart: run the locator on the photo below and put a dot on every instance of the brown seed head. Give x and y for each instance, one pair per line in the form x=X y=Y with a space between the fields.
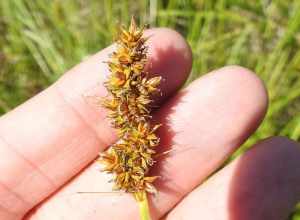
x=130 y=90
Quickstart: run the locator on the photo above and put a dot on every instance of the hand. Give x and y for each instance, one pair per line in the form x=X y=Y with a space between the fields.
x=56 y=135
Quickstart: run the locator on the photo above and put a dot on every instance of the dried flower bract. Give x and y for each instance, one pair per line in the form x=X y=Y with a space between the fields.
x=130 y=89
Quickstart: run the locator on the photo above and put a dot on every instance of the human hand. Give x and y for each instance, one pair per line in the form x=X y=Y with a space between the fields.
x=56 y=135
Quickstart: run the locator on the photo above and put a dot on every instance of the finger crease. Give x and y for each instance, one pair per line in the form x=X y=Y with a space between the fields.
x=16 y=195
x=79 y=115
x=29 y=162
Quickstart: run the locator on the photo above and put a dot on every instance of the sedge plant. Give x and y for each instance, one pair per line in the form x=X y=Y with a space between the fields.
x=130 y=91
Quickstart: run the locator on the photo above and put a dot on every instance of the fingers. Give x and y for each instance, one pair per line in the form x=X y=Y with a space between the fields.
x=202 y=125
x=262 y=184
x=205 y=124
x=53 y=136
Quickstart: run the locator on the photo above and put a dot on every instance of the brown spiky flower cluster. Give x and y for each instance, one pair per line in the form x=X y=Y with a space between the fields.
x=129 y=102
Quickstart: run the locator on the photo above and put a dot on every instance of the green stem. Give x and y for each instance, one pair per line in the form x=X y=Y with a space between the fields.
x=144 y=208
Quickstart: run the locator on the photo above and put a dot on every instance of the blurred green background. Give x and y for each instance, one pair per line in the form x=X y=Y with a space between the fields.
x=40 y=40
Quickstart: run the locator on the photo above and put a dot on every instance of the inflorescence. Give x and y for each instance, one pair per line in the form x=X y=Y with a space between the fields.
x=129 y=101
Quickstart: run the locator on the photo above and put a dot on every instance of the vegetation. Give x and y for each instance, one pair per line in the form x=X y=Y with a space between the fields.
x=40 y=40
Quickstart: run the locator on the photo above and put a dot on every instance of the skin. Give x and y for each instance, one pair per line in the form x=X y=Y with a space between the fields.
x=48 y=146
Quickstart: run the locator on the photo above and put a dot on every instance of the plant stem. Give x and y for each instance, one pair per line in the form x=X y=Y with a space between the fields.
x=144 y=208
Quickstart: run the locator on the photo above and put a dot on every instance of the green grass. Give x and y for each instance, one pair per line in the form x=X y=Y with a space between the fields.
x=42 y=39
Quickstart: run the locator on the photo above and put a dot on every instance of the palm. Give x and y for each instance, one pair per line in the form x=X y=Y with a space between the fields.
x=59 y=135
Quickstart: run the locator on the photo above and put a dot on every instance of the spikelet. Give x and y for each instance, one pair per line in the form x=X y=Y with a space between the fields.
x=129 y=101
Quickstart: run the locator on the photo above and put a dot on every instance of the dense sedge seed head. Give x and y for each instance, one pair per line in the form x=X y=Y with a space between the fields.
x=129 y=101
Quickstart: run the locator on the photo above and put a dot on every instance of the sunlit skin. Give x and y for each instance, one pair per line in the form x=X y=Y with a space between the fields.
x=48 y=146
